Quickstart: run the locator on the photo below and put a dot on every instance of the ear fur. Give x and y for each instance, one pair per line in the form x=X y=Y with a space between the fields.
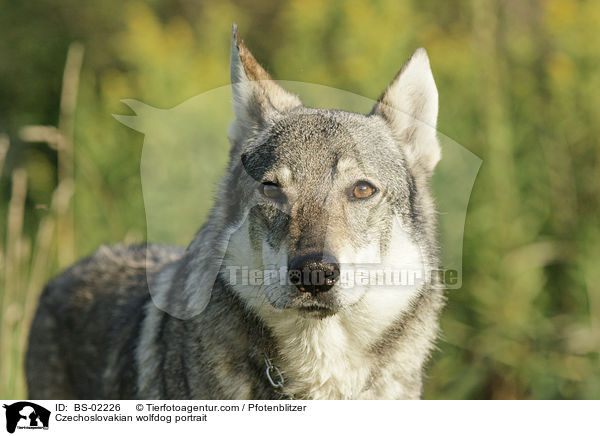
x=256 y=97
x=410 y=107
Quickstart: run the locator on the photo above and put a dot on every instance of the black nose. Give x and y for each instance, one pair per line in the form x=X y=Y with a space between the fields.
x=314 y=272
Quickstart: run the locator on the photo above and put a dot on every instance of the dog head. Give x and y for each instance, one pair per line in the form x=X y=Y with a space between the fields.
x=324 y=198
x=322 y=209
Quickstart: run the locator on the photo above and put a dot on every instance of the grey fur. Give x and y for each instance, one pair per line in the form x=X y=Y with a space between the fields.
x=99 y=334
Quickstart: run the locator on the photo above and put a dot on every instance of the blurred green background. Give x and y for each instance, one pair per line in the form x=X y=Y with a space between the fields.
x=519 y=86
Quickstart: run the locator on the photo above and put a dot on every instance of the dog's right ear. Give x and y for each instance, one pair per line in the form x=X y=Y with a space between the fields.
x=257 y=99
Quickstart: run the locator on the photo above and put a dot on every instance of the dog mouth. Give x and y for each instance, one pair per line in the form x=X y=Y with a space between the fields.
x=316 y=306
x=316 y=311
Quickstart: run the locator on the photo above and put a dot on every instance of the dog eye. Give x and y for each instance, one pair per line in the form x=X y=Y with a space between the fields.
x=272 y=191
x=363 y=190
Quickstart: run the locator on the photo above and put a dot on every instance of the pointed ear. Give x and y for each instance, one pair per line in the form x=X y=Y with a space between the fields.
x=410 y=107
x=256 y=97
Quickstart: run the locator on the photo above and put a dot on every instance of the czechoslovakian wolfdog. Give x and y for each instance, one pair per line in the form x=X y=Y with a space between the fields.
x=334 y=205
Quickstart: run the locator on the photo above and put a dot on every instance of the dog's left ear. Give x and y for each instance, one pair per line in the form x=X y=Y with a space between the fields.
x=410 y=107
x=256 y=97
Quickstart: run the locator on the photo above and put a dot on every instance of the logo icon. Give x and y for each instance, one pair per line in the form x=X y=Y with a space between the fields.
x=26 y=415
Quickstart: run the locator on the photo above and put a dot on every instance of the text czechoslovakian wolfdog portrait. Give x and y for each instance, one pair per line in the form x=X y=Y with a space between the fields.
x=310 y=197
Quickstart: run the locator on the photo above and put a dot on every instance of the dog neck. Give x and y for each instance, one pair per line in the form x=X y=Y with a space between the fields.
x=357 y=354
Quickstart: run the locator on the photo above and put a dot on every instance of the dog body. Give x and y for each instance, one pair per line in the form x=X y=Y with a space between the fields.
x=311 y=199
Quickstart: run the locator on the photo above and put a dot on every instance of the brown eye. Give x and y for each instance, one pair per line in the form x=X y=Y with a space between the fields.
x=363 y=190
x=272 y=191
